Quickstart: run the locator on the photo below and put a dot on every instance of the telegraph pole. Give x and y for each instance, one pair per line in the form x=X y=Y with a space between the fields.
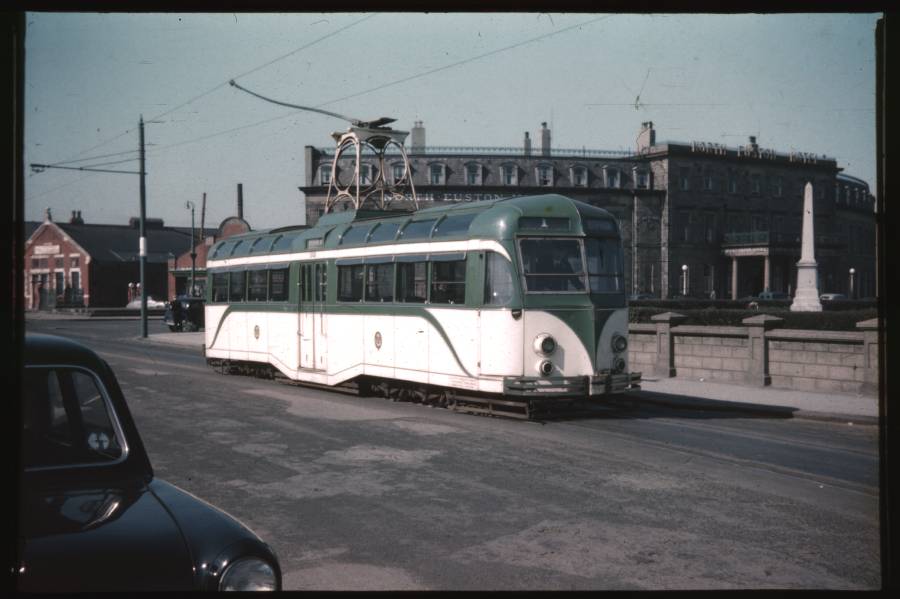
x=143 y=234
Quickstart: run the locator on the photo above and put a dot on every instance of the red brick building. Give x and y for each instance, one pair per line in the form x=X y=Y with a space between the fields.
x=91 y=265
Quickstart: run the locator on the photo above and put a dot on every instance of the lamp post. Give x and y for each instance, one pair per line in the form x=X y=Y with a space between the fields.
x=852 y=275
x=684 y=270
x=190 y=205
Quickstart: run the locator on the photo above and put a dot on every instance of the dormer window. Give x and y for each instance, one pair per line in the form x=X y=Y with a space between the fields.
x=325 y=174
x=473 y=174
x=544 y=175
x=436 y=174
x=579 y=176
x=397 y=172
x=510 y=174
x=366 y=172
x=641 y=179
x=611 y=175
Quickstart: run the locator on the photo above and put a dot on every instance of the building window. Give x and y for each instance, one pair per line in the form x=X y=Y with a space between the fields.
x=35 y=263
x=544 y=174
x=366 y=172
x=708 y=182
x=510 y=174
x=579 y=176
x=685 y=220
x=820 y=190
x=473 y=174
x=76 y=280
x=73 y=262
x=777 y=186
x=58 y=262
x=642 y=179
x=710 y=228
x=754 y=185
x=397 y=172
x=612 y=177
x=325 y=174
x=732 y=183
x=684 y=178
x=60 y=282
x=436 y=174
x=760 y=222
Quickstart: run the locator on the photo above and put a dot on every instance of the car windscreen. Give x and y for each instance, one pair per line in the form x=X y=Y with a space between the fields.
x=552 y=265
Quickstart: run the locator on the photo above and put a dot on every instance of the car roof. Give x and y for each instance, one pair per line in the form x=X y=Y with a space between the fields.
x=41 y=348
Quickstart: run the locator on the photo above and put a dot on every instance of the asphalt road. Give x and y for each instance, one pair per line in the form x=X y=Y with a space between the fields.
x=365 y=494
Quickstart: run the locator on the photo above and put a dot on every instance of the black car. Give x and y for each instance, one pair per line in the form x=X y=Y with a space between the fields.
x=184 y=313
x=92 y=517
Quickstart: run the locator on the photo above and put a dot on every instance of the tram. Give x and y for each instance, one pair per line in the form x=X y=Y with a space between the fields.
x=498 y=306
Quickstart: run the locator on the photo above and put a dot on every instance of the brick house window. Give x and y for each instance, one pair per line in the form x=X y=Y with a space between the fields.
x=58 y=262
x=612 y=177
x=74 y=262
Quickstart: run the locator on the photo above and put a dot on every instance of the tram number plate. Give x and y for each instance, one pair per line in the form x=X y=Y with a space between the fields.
x=465 y=383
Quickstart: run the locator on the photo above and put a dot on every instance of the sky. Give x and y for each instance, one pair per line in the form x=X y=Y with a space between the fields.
x=803 y=82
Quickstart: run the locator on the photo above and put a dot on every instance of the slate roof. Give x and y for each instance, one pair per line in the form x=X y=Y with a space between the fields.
x=120 y=243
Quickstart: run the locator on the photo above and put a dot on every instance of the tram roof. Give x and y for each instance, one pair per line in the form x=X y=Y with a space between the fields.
x=549 y=214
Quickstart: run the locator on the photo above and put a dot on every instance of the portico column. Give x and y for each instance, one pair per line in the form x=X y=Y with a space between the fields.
x=734 y=277
x=766 y=271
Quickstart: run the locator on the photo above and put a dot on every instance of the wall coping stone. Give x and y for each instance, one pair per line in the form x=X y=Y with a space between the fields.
x=642 y=327
x=766 y=321
x=873 y=324
x=805 y=335
x=670 y=317
x=713 y=331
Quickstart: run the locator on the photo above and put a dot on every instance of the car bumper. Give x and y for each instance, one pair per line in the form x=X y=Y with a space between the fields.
x=575 y=386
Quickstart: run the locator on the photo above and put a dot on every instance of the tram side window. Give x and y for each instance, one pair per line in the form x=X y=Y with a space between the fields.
x=321 y=282
x=498 y=280
x=236 y=287
x=412 y=282
x=220 y=287
x=350 y=283
x=278 y=284
x=257 y=285
x=448 y=282
x=380 y=282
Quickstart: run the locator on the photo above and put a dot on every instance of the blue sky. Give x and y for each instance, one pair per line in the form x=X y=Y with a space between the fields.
x=801 y=82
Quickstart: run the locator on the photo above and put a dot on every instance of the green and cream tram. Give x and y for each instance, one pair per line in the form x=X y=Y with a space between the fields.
x=493 y=303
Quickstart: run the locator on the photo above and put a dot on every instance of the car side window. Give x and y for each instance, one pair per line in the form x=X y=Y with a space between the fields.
x=68 y=419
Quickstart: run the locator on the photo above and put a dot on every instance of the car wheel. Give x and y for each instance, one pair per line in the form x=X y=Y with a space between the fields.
x=173 y=328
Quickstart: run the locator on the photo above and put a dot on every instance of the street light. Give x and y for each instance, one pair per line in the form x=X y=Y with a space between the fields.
x=852 y=274
x=684 y=282
x=190 y=205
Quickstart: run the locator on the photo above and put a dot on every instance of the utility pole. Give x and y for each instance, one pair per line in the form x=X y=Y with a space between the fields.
x=143 y=234
x=190 y=205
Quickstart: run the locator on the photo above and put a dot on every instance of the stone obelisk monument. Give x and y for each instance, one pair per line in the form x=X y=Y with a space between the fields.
x=807 y=297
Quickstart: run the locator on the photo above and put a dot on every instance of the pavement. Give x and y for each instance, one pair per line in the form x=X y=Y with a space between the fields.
x=679 y=392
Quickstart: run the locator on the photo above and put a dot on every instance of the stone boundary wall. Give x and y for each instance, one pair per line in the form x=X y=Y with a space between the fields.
x=758 y=353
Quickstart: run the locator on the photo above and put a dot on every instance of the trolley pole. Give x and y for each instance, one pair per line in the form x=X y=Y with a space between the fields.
x=143 y=235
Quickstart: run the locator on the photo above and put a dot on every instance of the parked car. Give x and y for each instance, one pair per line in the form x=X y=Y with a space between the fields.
x=641 y=296
x=151 y=303
x=774 y=295
x=828 y=297
x=184 y=313
x=92 y=516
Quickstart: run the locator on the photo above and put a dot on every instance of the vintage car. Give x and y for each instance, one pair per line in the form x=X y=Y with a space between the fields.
x=184 y=313
x=92 y=516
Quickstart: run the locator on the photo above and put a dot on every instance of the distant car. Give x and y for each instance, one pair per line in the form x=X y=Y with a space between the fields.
x=641 y=296
x=828 y=297
x=151 y=303
x=92 y=516
x=184 y=313
x=774 y=295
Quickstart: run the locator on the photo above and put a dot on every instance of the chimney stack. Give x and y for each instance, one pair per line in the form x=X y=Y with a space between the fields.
x=753 y=143
x=545 y=140
x=418 y=137
x=76 y=218
x=527 y=144
x=646 y=137
x=240 y=201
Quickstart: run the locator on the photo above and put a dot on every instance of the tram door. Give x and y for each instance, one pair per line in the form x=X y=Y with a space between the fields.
x=313 y=281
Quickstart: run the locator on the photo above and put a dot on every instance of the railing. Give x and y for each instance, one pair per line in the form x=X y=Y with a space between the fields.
x=779 y=238
x=497 y=150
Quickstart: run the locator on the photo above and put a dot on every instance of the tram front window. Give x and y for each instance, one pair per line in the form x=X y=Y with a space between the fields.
x=553 y=265
x=604 y=265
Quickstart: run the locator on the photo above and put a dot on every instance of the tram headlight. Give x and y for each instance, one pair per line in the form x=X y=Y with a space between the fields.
x=545 y=367
x=544 y=344
x=618 y=364
x=619 y=343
